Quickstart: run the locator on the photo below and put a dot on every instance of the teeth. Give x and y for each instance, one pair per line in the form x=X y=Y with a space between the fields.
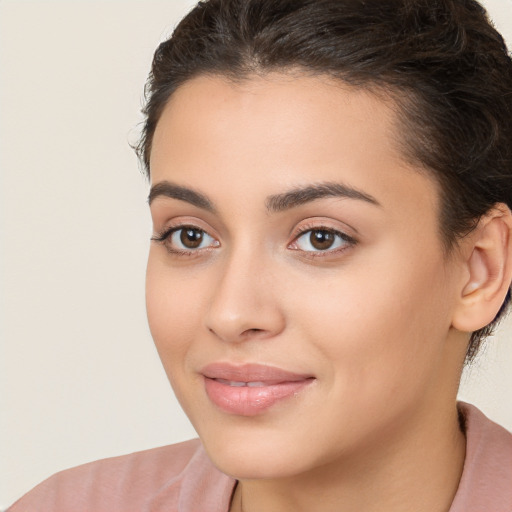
x=233 y=383
x=236 y=384
x=239 y=384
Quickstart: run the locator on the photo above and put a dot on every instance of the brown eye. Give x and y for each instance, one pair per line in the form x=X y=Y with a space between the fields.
x=191 y=238
x=186 y=240
x=321 y=239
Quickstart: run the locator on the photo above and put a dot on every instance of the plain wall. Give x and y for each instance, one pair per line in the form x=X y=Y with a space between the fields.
x=79 y=376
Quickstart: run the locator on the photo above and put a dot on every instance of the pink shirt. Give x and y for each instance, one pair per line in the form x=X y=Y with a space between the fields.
x=181 y=478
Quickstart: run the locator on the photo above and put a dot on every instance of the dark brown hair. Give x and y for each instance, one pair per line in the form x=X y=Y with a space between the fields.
x=443 y=64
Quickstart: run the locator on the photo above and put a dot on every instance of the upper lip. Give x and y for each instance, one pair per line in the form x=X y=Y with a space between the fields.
x=251 y=373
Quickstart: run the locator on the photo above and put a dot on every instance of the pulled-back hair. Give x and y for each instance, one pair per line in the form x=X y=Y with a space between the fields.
x=442 y=63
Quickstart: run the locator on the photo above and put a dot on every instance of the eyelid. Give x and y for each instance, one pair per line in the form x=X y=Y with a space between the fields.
x=164 y=236
x=182 y=221
x=322 y=226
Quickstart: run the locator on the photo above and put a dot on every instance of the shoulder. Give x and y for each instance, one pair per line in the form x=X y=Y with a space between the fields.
x=487 y=474
x=151 y=480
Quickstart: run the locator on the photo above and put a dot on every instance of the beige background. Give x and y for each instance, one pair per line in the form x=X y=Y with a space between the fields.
x=79 y=377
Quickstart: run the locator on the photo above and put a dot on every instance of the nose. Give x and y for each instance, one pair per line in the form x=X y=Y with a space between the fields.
x=245 y=301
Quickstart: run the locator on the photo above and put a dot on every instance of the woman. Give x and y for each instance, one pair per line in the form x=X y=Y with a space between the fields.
x=330 y=194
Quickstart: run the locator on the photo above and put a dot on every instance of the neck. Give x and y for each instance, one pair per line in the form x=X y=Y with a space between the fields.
x=417 y=469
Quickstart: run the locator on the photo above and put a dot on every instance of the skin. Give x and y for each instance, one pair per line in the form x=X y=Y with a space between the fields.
x=371 y=320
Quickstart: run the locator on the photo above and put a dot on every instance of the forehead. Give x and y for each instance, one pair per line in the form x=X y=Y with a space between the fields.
x=267 y=134
x=280 y=109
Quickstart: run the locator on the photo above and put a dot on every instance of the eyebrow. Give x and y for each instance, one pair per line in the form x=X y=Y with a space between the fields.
x=275 y=203
x=300 y=196
x=168 y=189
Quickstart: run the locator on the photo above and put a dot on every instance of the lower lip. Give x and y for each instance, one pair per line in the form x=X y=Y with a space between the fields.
x=250 y=401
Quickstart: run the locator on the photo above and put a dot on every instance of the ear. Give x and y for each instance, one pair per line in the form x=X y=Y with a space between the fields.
x=488 y=266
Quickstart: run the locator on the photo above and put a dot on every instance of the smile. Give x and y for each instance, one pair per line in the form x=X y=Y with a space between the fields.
x=250 y=389
x=238 y=384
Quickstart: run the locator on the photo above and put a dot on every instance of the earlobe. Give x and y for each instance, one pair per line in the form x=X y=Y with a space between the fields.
x=489 y=267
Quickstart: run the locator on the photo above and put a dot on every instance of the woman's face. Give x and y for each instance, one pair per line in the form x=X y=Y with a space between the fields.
x=297 y=289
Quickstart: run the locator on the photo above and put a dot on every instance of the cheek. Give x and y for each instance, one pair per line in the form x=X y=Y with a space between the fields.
x=381 y=326
x=172 y=309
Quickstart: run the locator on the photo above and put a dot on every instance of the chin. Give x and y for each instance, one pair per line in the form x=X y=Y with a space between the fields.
x=261 y=452
x=244 y=463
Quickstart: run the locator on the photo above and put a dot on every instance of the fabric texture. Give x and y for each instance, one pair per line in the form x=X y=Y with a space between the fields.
x=181 y=478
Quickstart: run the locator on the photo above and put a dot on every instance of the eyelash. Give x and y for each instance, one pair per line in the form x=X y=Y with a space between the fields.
x=349 y=241
x=164 y=236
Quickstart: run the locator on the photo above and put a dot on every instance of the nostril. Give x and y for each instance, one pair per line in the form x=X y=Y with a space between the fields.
x=252 y=333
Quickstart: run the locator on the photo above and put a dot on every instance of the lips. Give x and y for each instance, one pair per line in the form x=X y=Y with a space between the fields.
x=250 y=389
